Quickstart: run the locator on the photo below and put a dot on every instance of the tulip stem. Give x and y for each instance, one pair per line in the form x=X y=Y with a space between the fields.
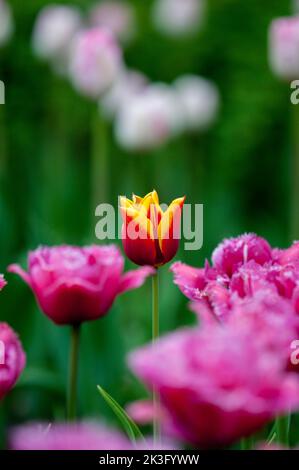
x=73 y=374
x=155 y=336
x=246 y=443
x=283 y=429
x=2 y=142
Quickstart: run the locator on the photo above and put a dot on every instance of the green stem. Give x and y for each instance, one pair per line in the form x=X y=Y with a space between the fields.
x=282 y=425
x=246 y=443
x=73 y=374
x=295 y=176
x=3 y=141
x=99 y=162
x=155 y=336
x=196 y=163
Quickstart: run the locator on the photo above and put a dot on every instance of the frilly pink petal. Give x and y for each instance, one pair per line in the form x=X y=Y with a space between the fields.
x=2 y=282
x=17 y=269
x=135 y=279
x=191 y=281
x=289 y=255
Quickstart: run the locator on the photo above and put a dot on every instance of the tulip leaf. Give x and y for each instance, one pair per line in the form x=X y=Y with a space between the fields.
x=128 y=424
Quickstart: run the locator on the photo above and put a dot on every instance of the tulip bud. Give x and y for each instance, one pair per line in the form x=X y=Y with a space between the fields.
x=95 y=62
x=6 y=22
x=284 y=46
x=178 y=17
x=150 y=236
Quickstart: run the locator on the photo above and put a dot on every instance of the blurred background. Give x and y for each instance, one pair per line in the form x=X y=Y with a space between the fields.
x=238 y=167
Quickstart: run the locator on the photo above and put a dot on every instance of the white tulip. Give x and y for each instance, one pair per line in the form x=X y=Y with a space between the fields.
x=178 y=17
x=199 y=101
x=128 y=84
x=148 y=120
x=6 y=22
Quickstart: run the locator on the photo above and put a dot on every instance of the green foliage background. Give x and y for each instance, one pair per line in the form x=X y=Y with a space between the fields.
x=240 y=171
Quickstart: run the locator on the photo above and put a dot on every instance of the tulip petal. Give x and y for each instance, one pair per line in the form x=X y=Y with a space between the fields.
x=2 y=282
x=136 y=200
x=143 y=412
x=125 y=202
x=191 y=281
x=16 y=269
x=168 y=230
x=135 y=279
x=151 y=208
x=141 y=251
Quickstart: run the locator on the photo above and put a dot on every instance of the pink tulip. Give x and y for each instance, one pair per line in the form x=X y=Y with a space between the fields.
x=12 y=359
x=217 y=383
x=234 y=252
x=2 y=282
x=62 y=436
x=79 y=436
x=241 y=267
x=73 y=284
x=96 y=62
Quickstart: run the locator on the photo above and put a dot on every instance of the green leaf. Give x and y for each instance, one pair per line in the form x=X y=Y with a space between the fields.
x=128 y=424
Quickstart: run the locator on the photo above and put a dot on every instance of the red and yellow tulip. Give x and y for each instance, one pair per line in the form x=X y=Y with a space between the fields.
x=150 y=235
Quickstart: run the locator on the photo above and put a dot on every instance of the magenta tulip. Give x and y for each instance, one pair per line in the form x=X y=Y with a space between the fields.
x=218 y=384
x=12 y=359
x=79 y=436
x=73 y=284
x=241 y=267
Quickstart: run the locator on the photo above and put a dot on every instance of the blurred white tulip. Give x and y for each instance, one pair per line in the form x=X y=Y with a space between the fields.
x=129 y=84
x=168 y=96
x=54 y=30
x=178 y=17
x=148 y=120
x=284 y=47
x=95 y=63
x=117 y=16
x=6 y=22
x=199 y=102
